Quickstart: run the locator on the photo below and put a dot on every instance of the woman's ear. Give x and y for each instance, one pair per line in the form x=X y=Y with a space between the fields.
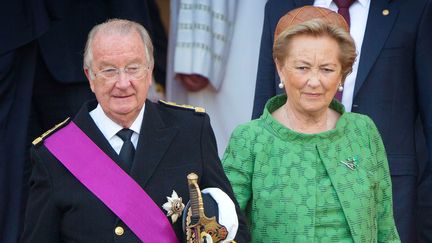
x=279 y=67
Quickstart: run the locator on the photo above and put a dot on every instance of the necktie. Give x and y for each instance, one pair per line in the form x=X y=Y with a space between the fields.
x=343 y=9
x=127 y=151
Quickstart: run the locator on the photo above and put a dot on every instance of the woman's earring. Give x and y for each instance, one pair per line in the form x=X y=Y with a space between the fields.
x=340 y=88
x=281 y=84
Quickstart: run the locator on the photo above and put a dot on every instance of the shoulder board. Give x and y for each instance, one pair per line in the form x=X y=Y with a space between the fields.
x=187 y=107
x=47 y=133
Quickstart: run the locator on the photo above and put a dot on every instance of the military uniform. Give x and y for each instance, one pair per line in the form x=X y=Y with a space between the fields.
x=173 y=142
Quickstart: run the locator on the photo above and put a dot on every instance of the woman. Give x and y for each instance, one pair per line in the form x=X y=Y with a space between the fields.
x=306 y=170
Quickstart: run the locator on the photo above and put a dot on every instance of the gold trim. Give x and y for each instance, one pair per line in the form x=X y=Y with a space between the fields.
x=47 y=133
x=189 y=107
x=199 y=109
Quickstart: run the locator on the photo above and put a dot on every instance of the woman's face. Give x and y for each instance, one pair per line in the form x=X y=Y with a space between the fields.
x=311 y=72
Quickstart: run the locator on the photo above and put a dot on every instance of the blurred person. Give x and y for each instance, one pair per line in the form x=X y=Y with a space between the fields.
x=21 y=23
x=209 y=53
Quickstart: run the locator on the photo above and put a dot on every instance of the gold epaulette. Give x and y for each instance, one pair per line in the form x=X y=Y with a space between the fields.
x=188 y=107
x=47 y=133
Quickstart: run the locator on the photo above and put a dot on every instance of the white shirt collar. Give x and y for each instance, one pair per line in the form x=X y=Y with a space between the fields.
x=136 y=125
x=108 y=127
x=364 y=3
x=323 y=3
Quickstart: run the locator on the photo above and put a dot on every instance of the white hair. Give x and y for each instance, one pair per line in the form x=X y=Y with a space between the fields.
x=122 y=27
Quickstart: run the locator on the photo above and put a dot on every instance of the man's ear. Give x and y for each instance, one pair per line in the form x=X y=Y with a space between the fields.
x=150 y=77
x=90 y=76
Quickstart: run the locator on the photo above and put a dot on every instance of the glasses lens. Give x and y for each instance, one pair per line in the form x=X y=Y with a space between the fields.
x=109 y=73
x=135 y=72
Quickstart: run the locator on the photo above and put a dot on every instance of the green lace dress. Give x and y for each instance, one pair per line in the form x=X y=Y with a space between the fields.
x=327 y=187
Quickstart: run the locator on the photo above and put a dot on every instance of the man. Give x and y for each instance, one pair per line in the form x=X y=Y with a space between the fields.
x=92 y=183
x=391 y=83
x=41 y=80
x=60 y=86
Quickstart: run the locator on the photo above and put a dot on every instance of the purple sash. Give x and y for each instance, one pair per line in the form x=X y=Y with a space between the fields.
x=114 y=187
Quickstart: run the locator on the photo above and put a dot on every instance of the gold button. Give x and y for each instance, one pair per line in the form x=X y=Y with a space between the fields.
x=119 y=230
x=385 y=12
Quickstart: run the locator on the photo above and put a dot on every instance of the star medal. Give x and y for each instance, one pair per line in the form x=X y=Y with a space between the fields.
x=174 y=206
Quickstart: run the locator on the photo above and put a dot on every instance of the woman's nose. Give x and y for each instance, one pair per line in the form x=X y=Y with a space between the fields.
x=314 y=79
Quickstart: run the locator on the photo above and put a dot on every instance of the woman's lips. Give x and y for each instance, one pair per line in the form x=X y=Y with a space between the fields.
x=312 y=95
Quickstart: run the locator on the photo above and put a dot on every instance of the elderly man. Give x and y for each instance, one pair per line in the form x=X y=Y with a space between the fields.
x=116 y=170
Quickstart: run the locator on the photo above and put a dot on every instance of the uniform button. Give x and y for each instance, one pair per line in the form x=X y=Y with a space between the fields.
x=119 y=230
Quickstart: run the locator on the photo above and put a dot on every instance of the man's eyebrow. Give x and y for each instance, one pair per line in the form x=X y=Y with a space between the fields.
x=104 y=64
x=133 y=61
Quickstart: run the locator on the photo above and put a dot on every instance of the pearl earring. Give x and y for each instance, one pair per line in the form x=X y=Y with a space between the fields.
x=281 y=84
x=340 y=88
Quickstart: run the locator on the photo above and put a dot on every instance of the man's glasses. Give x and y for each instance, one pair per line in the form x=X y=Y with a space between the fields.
x=132 y=71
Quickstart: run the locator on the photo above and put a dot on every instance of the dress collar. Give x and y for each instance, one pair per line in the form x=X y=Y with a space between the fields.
x=285 y=133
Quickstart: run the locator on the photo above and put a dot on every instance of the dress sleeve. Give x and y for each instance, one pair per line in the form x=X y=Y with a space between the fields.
x=383 y=191
x=238 y=163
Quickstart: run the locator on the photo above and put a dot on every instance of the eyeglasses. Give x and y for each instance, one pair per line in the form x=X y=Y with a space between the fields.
x=132 y=71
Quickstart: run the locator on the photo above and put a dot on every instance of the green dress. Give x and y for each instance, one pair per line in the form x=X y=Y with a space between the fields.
x=332 y=186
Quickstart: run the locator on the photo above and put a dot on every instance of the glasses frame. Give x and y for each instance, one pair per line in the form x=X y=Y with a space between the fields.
x=124 y=70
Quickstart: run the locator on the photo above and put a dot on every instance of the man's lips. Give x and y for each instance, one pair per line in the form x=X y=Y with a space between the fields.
x=121 y=96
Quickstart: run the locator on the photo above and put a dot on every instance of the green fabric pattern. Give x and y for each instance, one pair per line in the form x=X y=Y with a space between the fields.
x=276 y=177
x=330 y=222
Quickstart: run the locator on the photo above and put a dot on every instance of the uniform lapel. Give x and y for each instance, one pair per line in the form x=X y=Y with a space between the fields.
x=154 y=140
x=84 y=121
x=378 y=28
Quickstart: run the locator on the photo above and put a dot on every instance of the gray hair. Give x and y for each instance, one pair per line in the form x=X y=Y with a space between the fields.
x=318 y=28
x=118 y=26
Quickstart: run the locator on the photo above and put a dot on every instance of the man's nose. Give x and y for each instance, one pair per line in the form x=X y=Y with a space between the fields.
x=123 y=79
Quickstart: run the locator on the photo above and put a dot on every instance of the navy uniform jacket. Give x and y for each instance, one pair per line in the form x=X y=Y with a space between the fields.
x=393 y=87
x=173 y=142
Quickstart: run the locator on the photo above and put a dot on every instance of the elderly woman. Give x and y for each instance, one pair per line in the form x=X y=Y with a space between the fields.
x=306 y=170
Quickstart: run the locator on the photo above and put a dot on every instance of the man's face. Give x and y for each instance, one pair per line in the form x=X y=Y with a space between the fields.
x=122 y=96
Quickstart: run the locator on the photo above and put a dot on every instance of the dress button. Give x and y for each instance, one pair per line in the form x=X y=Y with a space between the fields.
x=119 y=230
